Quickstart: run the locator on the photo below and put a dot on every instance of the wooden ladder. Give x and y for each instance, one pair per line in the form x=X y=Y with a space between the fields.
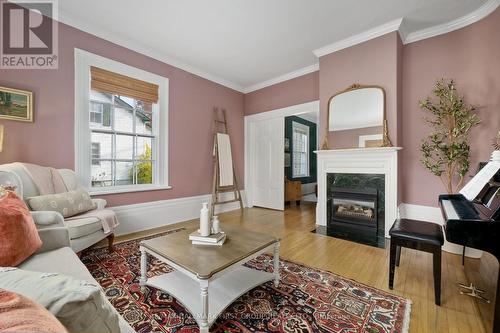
x=220 y=126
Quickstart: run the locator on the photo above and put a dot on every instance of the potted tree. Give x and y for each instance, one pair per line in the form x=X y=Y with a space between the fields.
x=446 y=151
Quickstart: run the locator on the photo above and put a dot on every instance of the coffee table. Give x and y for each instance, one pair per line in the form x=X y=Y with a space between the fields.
x=207 y=279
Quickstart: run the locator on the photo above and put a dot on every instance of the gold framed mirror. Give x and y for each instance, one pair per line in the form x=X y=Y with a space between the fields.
x=357 y=116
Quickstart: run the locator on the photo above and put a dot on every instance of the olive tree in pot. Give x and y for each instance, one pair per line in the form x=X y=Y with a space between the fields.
x=446 y=151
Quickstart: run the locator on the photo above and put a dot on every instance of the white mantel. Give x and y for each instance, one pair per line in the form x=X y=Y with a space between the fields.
x=383 y=160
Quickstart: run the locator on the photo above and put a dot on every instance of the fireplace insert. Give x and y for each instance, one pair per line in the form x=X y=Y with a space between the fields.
x=354 y=207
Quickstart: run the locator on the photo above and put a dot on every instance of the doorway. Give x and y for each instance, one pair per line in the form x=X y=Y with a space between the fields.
x=265 y=154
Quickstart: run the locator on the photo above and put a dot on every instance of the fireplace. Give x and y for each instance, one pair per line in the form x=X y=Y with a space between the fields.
x=355 y=204
x=357 y=208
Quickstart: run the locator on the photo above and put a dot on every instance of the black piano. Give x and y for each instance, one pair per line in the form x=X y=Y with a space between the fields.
x=472 y=219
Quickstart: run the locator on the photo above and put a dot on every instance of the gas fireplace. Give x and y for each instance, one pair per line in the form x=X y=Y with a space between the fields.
x=357 y=208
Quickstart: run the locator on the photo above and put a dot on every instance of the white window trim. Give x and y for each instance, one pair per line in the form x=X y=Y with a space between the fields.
x=304 y=128
x=83 y=61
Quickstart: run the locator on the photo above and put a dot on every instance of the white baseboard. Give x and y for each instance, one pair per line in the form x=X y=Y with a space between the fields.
x=433 y=214
x=150 y=215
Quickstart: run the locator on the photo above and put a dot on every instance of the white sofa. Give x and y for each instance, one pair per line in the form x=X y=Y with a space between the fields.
x=56 y=256
x=82 y=232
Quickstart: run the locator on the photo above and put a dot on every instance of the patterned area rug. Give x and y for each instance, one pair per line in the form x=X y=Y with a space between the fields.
x=307 y=300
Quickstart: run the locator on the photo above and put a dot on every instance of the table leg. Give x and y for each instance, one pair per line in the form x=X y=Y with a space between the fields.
x=276 y=259
x=144 y=268
x=204 y=306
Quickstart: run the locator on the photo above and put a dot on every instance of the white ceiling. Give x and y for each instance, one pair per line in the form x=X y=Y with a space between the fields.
x=241 y=43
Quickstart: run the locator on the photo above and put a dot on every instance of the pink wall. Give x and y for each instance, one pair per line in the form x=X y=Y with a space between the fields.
x=470 y=56
x=374 y=62
x=49 y=140
x=295 y=91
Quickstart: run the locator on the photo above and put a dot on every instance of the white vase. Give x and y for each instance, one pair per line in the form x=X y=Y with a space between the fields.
x=204 y=221
x=215 y=225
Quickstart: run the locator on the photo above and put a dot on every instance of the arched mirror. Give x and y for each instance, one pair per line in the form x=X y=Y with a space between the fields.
x=356 y=116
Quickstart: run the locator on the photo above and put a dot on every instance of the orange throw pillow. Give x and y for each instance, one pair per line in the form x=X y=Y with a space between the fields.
x=20 y=314
x=18 y=235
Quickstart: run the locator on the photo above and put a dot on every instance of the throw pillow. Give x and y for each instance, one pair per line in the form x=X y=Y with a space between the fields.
x=67 y=203
x=79 y=305
x=18 y=235
x=20 y=314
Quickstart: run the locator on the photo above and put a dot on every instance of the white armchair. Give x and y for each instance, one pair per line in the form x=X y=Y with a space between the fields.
x=82 y=232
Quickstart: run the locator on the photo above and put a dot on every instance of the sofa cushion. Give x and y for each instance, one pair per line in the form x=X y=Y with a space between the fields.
x=62 y=261
x=82 y=227
x=18 y=235
x=65 y=261
x=20 y=314
x=68 y=203
x=78 y=304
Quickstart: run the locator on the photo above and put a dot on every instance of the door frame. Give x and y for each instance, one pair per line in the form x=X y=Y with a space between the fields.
x=250 y=121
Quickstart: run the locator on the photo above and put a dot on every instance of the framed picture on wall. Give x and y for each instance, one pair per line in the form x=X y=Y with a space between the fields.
x=16 y=104
x=287 y=160
x=287 y=144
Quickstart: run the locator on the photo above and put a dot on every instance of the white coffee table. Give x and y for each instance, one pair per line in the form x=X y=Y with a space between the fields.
x=207 y=279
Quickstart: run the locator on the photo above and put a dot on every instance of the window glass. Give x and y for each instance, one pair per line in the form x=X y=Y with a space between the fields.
x=300 y=152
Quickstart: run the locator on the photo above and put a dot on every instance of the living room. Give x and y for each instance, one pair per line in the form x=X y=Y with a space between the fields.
x=158 y=175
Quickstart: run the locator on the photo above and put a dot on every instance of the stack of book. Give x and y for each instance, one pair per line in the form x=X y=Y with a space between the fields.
x=213 y=239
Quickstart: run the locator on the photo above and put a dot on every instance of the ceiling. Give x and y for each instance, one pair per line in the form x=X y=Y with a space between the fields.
x=242 y=43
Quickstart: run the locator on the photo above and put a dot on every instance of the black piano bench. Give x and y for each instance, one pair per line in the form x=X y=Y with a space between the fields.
x=417 y=235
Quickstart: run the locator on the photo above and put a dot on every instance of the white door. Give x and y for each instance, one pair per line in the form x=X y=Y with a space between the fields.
x=267 y=158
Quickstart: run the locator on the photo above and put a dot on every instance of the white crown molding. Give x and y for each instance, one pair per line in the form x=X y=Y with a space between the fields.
x=461 y=22
x=360 y=38
x=395 y=25
x=138 y=47
x=282 y=78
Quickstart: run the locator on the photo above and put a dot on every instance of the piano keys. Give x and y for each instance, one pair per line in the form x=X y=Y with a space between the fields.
x=472 y=219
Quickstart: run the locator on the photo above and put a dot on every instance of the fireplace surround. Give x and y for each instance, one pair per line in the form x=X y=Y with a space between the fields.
x=381 y=161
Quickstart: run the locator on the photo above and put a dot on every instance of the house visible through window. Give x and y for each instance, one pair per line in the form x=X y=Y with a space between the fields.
x=96 y=110
x=96 y=153
x=122 y=126
x=126 y=142
x=300 y=150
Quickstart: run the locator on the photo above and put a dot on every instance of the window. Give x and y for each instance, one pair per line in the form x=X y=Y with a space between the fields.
x=121 y=124
x=96 y=110
x=300 y=150
x=96 y=153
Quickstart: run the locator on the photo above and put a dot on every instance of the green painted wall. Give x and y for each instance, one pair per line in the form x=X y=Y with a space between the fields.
x=312 y=148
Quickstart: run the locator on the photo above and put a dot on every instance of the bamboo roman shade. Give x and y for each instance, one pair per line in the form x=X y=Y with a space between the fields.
x=109 y=82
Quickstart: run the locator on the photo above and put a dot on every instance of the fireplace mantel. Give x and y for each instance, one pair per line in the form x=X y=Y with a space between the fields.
x=383 y=160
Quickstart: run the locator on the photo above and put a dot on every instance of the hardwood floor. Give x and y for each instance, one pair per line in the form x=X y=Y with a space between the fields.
x=366 y=264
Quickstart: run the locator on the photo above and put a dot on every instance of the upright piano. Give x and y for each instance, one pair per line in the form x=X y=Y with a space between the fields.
x=472 y=219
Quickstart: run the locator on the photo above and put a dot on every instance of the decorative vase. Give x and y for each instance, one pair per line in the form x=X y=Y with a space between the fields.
x=215 y=225
x=204 y=221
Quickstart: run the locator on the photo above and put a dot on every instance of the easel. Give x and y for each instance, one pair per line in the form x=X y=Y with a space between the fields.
x=217 y=189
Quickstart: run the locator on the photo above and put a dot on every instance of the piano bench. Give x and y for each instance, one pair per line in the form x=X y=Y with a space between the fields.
x=417 y=235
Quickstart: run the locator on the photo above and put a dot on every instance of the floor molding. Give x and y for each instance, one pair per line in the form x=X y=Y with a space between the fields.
x=433 y=214
x=150 y=215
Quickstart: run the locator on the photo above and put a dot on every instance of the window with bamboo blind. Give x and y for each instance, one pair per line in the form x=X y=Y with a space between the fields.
x=127 y=129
